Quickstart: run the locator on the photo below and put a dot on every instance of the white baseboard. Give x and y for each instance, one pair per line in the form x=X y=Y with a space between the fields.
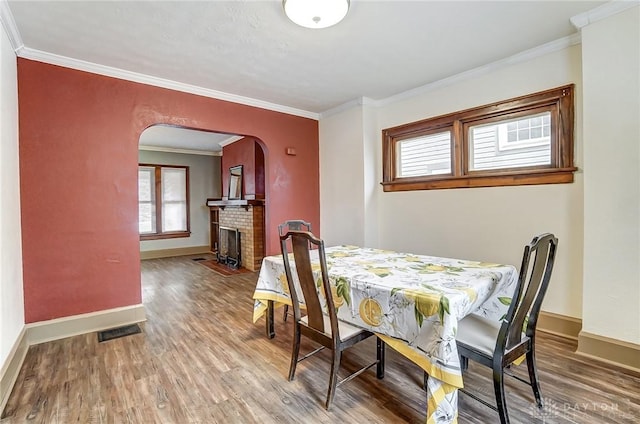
x=560 y=325
x=611 y=351
x=60 y=328
x=178 y=251
x=11 y=368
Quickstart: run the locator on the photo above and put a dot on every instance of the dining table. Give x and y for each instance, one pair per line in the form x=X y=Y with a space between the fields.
x=412 y=302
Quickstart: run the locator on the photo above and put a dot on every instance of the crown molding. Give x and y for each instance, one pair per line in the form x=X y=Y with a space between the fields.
x=9 y=23
x=230 y=140
x=94 y=68
x=527 y=55
x=602 y=12
x=544 y=49
x=360 y=101
x=579 y=21
x=174 y=150
x=10 y=26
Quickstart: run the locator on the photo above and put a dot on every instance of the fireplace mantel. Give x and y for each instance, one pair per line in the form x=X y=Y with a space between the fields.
x=245 y=203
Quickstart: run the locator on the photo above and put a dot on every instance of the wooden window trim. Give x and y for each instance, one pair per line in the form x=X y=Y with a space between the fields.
x=159 y=235
x=559 y=101
x=162 y=236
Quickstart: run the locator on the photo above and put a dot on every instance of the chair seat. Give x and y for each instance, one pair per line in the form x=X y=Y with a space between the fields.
x=478 y=333
x=498 y=344
x=346 y=330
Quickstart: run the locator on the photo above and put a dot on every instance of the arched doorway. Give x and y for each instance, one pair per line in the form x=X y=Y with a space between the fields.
x=184 y=193
x=85 y=244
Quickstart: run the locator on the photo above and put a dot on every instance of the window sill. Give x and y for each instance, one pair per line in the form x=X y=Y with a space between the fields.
x=529 y=177
x=181 y=234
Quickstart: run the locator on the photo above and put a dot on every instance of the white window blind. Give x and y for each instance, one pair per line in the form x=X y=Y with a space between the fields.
x=424 y=155
x=146 y=200
x=174 y=199
x=511 y=143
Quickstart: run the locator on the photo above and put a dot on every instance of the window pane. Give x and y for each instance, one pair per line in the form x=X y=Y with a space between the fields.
x=174 y=216
x=146 y=200
x=424 y=155
x=496 y=146
x=174 y=183
x=174 y=199
x=146 y=184
x=147 y=220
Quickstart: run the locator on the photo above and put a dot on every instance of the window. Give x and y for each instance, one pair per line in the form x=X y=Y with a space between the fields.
x=163 y=201
x=425 y=155
x=527 y=140
x=511 y=143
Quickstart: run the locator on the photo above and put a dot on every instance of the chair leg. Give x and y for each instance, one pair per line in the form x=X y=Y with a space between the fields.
x=380 y=348
x=286 y=313
x=425 y=379
x=464 y=363
x=498 y=386
x=333 y=379
x=533 y=376
x=295 y=350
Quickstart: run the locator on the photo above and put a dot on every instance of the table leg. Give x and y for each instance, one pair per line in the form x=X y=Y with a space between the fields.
x=380 y=346
x=271 y=332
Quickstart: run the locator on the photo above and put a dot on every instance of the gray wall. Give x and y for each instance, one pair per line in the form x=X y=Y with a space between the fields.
x=204 y=182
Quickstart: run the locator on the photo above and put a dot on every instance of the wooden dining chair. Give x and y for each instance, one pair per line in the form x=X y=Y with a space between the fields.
x=323 y=328
x=498 y=344
x=296 y=225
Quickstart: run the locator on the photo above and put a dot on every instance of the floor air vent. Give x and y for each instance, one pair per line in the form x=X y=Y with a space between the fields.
x=115 y=333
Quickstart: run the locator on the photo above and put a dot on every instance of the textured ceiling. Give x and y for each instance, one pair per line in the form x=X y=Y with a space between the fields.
x=250 y=49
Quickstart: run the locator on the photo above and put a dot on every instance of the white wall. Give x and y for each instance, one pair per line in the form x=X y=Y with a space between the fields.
x=11 y=292
x=491 y=224
x=204 y=182
x=611 y=73
x=372 y=153
x=342 y=204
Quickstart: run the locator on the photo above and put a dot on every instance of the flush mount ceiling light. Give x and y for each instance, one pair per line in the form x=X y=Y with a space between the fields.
x=316 y=13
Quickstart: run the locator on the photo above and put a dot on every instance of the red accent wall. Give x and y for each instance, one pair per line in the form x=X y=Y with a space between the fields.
x=242 y=152
x=259 y=171
x=79 y=137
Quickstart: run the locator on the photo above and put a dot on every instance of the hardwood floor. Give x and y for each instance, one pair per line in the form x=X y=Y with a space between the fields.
x=200 y=359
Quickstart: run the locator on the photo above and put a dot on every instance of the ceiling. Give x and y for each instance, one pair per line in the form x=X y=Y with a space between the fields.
x=250 y=50
x=168 y=138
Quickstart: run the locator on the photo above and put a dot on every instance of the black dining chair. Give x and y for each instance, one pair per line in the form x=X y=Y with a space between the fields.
x=296 y=225
x=322 y=328
x=498 y=344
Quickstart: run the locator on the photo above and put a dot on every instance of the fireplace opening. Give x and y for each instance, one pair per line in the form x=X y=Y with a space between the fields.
x=229 y=247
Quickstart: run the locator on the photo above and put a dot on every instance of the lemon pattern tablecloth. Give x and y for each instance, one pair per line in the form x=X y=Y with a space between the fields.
x=413 y=302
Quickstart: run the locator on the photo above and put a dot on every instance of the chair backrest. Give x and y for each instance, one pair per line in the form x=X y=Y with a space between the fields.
x=535 y=273
x=295 y=225
x=301 y=241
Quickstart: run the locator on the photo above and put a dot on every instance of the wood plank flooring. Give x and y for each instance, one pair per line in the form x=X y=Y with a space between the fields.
x=200 y=359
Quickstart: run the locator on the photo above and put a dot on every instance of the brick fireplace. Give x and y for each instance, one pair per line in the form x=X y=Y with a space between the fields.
x=249 y=220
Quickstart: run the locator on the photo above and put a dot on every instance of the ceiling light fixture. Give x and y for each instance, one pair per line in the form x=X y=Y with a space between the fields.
x=316 y=13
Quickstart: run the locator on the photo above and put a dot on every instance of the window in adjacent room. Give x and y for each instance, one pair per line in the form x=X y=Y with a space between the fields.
x=527 y=140
x=163 y=201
